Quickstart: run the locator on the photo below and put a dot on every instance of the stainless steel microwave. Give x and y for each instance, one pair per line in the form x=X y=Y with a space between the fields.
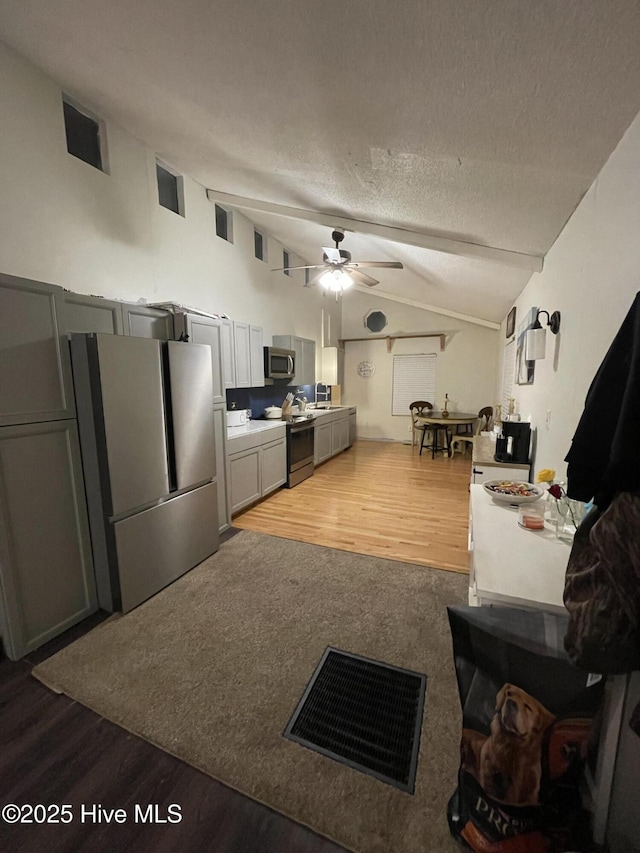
x=279 y=363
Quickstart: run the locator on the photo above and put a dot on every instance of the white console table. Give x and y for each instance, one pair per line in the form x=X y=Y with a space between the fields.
x=510 y=565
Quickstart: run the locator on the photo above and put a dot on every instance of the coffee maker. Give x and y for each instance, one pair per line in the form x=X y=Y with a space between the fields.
x=513 y=444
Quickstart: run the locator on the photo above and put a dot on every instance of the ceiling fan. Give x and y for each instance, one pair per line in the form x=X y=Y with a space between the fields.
x=338 y=272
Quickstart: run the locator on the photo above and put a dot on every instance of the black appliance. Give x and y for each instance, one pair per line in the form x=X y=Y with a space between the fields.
x=279 y=363
x=300 y=450
x=513 y=444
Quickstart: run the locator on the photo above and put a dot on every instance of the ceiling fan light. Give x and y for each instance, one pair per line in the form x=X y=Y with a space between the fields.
x=336 y=280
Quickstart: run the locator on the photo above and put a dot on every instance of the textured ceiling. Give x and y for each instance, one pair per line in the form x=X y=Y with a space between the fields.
x=484 y=121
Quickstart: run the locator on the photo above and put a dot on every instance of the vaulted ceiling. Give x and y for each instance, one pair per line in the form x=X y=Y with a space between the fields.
x=468 y=126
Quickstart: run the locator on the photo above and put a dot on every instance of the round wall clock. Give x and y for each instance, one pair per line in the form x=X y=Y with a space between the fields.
x=366 y=369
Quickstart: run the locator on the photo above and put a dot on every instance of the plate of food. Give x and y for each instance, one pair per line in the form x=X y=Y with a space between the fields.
x=513 y=491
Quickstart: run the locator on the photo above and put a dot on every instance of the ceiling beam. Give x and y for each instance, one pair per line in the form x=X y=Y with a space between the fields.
x=422 y=239
x=383 y=294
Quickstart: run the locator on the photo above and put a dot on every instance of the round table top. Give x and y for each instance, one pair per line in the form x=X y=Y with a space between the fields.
x=454 y=417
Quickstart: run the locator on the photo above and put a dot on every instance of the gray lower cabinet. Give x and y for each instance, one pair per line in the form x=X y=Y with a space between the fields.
x=273 y=464
x=220 y=431
x=340 y=434
x=91 y=314
x=35 y=367
x=322 y=450
x=47 y=582
x=256 y=465
x=244 y=478
x=352 y=426
x=143 y=321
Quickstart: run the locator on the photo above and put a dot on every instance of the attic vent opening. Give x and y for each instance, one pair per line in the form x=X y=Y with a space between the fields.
x=223 y=223
x=170 y=189
x=85 y=135
x=375 y=321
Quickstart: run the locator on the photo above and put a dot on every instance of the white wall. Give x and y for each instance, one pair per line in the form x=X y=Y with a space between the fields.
x=466 y=370
x=64 y=222
x=591 y=276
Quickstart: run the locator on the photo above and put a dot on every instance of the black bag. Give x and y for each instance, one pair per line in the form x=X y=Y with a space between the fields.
x=527 y=729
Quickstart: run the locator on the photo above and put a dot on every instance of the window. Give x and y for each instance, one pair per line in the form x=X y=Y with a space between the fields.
x=375 y=321
x=285 y=261
x=223 y=223
x=414 y=378
x=85 y=135
x=170 y=189
x=307 y=276
x=259 y=246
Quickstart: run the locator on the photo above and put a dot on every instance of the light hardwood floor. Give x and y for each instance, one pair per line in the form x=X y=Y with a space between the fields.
x=377 y=498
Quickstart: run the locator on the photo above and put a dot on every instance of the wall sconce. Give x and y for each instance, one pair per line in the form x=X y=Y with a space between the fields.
x=535 y=344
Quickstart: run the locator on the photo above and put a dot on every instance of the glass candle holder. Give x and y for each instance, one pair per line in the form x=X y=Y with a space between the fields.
x=531 y=516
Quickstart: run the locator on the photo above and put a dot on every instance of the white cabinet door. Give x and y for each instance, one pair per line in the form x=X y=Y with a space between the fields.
x=273 y=465
x=244 y=478
x=205 y=330
x=228 y=354
x=257 y=357
x=308 y=372
x=343 y=426
x=336 y=437
x=243 y=354
x=322 y=443
x=47 y=582
x=143 y=321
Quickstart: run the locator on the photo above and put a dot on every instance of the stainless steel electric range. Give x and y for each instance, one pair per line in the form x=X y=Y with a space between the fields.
x=300 y=450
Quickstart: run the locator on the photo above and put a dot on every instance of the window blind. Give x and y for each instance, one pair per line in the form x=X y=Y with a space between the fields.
x=414 y=378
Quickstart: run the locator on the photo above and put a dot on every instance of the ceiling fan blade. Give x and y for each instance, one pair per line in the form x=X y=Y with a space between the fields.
x=316 y=278
x=309 y=267
x=333 y=255
x=390 y=265
x=362 y=278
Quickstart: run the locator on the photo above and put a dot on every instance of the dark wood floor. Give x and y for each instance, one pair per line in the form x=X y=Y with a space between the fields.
x=55 y=751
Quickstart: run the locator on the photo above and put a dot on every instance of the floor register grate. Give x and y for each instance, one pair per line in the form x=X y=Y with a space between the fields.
x=364 y=714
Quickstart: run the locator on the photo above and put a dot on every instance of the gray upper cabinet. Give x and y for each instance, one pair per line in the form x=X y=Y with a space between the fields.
x=257 y=357
x=143 y=321
x=35 y=369
x=242 y=345
x=228 y=354
x=91 y=314
x=47 y=582
x=305 y=350
x=205 y=330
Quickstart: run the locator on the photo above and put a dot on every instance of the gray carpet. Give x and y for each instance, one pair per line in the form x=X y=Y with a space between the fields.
x=211 y=669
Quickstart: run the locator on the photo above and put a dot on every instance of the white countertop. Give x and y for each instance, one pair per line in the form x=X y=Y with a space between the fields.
x=512 y=565
x=261 y=424
x=254 y=426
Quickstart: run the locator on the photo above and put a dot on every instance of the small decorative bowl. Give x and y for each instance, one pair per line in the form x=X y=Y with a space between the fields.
x=514 y=492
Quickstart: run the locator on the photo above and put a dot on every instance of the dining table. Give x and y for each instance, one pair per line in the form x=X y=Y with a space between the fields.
x=439 y=420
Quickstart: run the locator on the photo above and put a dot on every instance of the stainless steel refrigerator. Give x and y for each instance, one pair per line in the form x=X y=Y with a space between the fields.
x=145 y=416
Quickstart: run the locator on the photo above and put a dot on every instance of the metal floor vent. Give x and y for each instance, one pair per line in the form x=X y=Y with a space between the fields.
x=364 y=714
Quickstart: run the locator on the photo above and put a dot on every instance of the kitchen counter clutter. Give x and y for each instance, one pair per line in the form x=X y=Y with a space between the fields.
x=485 y=467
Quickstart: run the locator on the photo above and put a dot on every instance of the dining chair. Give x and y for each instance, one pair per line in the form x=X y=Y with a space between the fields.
x=485 y=422
x=417 y=409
